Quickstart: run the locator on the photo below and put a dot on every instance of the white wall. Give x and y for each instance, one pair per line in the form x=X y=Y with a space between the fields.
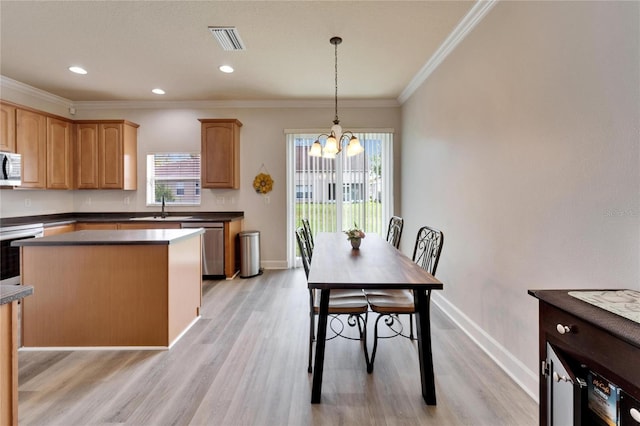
x=162 y=128
x=524 y=145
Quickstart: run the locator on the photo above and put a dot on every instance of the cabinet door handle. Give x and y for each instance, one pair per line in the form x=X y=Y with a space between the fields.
x=558 y=378
x=562 y=329
x=635 y=414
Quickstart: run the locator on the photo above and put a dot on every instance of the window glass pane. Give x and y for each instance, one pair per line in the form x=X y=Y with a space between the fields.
x=339 y=192
x=174 y=176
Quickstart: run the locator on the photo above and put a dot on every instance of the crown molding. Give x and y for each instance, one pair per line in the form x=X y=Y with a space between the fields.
x=464 y=27
x=281 y=104
x=9 y=83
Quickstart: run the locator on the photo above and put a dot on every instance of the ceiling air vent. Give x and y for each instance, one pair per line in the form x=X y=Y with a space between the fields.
x=228 y=38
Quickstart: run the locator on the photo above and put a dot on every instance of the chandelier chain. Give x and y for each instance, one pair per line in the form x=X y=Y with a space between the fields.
x=336 y=120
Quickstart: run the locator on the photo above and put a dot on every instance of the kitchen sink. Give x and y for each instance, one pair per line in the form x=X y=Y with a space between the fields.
x=162 y=219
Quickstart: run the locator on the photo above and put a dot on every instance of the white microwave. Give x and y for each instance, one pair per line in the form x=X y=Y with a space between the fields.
x=10 y=169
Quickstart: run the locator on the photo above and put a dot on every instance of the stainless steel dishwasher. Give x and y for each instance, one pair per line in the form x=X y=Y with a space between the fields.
x=212 y=247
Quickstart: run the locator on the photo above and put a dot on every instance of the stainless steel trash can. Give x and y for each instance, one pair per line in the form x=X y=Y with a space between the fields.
x=249 y=254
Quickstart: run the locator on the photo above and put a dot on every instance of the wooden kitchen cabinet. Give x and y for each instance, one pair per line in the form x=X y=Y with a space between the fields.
x=85 y=226
x=106 y=152
x=31 y=143
x=59 y=154
x=87 y=156
x=45 y=144
x=153 y=225
x=220 y=153
x=59 y=229
x=7 y=128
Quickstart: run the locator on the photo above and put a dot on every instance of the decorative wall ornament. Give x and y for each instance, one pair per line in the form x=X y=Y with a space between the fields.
x=263 y=183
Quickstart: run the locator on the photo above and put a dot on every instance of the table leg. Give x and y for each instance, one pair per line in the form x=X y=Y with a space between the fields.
x=321 y=335
x=423 y=328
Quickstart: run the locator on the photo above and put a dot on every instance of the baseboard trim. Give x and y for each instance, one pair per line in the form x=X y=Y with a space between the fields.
x=523 y=376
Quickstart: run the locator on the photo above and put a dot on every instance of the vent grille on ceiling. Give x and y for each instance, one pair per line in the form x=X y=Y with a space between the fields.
x=227 y=37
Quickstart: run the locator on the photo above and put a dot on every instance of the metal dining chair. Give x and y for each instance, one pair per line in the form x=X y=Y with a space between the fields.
x=307 y=230
x=426 y=254
x=341 y=302
x=394 y=232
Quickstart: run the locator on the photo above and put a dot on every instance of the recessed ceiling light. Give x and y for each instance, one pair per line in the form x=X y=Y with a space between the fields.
x=226 y=68
x=78 y=70
x=158 y=91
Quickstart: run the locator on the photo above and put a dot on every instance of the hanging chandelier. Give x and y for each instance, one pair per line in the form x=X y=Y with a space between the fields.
x=333 y=142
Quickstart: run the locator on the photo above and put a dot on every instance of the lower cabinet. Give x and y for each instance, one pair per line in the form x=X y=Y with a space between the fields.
x=59 y=229
x=590 y=363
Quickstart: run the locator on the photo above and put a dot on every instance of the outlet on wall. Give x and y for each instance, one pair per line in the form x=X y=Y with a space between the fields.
x=27 y=202
x=126 y=200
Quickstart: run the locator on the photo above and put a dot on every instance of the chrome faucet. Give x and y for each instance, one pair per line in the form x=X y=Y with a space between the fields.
x=163 y=214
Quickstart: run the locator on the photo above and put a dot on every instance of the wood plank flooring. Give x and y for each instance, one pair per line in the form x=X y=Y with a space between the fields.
x=245 y=363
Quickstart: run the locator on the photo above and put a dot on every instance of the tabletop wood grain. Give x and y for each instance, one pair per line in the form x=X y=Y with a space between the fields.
x=377 y=264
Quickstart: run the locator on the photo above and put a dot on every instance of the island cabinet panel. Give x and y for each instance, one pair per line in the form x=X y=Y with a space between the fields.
x=7 y=128
x=220 y=153
x=95 y=296
x=59 y=154
x=31 y=143
x=136 y=288
x=184 y=300
x=87 y=156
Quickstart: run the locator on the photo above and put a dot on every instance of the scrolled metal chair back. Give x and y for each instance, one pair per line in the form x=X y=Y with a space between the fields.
x=427 y=250
x=307 y=230
x=304 y=249
x=394 y=233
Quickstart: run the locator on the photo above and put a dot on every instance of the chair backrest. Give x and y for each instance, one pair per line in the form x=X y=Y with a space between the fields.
x=304 y=249
x=394 y=233
x=307 y=230
x=426 y=253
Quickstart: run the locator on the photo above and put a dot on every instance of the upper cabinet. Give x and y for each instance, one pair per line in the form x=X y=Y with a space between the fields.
x=31 y=144
x=7 y=128
x=220 y=154
x=59 y=154
x=106 y=152
x=45 y=144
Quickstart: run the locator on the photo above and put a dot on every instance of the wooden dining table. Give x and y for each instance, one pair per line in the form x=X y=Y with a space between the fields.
x=376 y=265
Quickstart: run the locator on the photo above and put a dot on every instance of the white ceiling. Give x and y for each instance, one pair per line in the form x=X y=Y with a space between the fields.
x=131 y=47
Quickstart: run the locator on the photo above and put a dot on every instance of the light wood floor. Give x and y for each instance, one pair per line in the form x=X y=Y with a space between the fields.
x=245 y=363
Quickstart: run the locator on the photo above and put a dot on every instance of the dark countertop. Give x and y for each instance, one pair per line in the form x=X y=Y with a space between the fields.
x=616 y=325
x=66 y=218
x=113 y=237
x=10 y=293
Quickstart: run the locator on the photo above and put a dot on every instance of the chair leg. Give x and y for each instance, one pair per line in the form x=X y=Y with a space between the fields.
x=375 y=345
x=411 y=327
x=312 y=328
x=363 y=337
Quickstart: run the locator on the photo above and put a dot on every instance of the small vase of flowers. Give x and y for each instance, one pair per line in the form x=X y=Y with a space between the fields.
x=355 y=236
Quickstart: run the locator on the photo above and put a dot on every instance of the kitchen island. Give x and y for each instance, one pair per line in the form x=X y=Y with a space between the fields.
x=9 y=297
x=111 y=288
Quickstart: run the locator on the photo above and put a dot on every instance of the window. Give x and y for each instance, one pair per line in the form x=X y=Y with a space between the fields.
x=334 y=193
x=174 y=176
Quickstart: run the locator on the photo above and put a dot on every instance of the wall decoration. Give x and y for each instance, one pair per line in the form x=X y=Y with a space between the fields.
x=263 y=183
